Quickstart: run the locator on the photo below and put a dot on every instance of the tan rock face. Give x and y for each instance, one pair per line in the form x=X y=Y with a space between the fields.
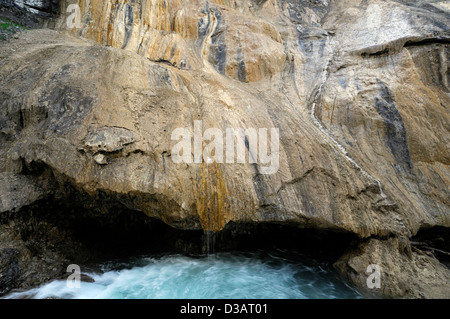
x=358 y=99
x=190 y=35
x=358 y=90
x=402 y=271
x=118 y=117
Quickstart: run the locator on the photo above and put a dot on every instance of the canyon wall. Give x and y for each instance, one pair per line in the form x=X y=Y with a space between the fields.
x=359 y=91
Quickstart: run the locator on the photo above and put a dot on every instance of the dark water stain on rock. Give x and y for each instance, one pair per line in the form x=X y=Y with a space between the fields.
x=431 y=56
x=173 y=51
x=218 y=51
x=241 y=64
x=342 y=82
x=395 y=128
x=296 y=8
x=161 y=75
x=128 y=24
x=67 y=106
x=203 y=24
x=260 y=3
x=10 y=270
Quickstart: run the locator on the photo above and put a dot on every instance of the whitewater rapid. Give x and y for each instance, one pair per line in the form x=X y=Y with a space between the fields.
x=221 y=276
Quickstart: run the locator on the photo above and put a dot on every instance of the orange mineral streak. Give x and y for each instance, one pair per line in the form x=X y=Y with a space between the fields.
x=168 y=30
x=211 y=193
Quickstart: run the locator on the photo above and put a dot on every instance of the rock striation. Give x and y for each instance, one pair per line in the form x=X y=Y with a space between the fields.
x=359 y=91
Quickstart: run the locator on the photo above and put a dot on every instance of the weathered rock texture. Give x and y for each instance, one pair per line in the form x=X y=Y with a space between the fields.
x=358 y=89
x=37 y=7
x=403 y=271
x=30 y=13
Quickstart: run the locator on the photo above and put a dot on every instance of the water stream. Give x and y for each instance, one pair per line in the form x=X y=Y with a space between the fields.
x=318 y=123
x=257 y=275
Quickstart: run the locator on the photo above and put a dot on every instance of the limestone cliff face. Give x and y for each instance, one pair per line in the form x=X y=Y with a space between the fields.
x=359 y=91
x=44 y=8
x=191 y=34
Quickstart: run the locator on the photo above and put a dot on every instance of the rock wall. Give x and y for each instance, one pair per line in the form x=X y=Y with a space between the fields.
x=358 y=90
x=38 y=7
x=362 y=71
x=190 y=35
x=30 y=13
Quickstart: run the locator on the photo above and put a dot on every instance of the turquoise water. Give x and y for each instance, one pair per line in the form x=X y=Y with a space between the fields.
x=224 y=275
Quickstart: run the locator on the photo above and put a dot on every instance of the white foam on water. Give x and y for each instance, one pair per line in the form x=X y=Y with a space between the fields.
x=222 y=276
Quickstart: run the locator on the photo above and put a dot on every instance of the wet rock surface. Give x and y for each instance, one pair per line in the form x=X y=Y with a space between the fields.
x=403 y=271
x=358 y=90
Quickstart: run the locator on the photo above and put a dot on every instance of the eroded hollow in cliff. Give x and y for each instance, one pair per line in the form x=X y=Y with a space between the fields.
x=434 y=241
x=69 y=226
x=82 y=229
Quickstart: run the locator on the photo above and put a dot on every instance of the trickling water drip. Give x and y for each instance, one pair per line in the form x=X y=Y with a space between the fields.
x=210 y=242
x=207 y=232
x=209 y=235
x=381 y=189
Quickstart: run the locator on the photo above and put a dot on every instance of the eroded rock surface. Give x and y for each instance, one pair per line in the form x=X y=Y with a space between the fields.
x=359 y=91
x=404 y=271
x=30 y=13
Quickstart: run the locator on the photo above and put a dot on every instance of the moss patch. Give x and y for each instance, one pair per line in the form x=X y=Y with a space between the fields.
x=9 y=28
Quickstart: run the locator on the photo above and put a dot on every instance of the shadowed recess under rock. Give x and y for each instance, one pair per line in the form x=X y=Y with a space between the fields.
x=78 y=229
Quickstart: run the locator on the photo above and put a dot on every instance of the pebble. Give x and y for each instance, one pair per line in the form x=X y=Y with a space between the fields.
x=100 y=159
